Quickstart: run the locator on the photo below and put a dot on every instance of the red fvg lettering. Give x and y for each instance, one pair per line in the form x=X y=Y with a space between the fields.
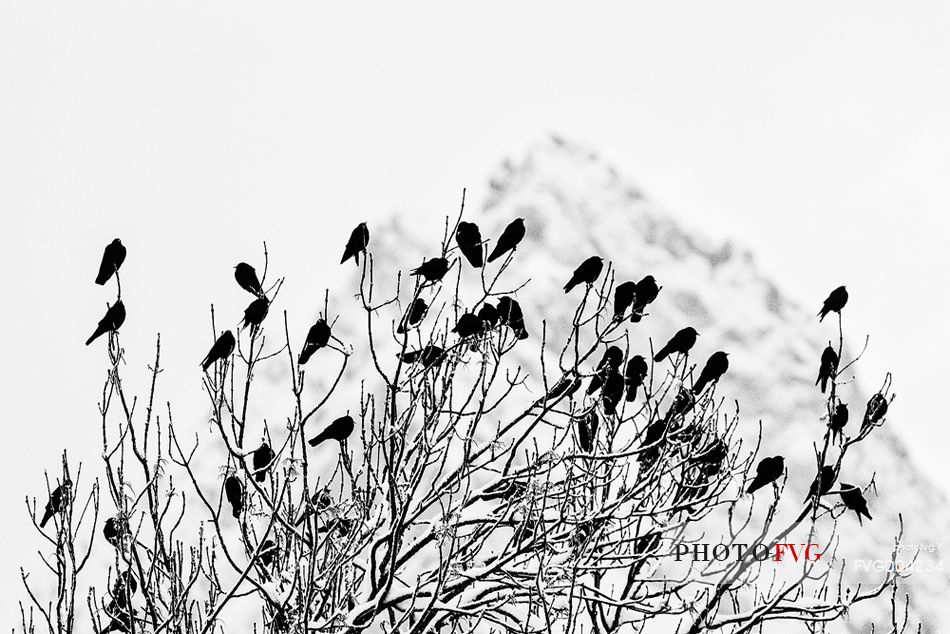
x=797 y=551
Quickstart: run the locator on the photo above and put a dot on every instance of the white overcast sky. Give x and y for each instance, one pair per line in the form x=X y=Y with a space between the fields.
x=816 y=133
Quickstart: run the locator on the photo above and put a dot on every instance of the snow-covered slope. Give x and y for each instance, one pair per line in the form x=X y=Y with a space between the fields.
x=574 y=205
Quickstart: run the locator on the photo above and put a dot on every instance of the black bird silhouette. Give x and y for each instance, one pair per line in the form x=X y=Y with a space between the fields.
x=646 y=292
x=854 y=500
x=509 y=314
x=712 y=456
x=255 y=313
x=587 y=273
x=429 y=355
x=715 y=367
x=822 y=484
x=261 y=460
x=267 y=552
x=587 y=431
x=112 y=258
x=839 y=418
x=634 y=375
x=567 y=385
x=111 y=321
x=613 y=357
x=339 y=430
x=317 y=337
x=682 y=403
x=876 y=409
x=623 y=298
x=417 y=310
x=124 y=588
x=613 y=391
x=768 y=471
x=234 y=493
x=681 y=342
x=468 y=325
x=319 y=501
x=509 y=239
x=432 y=270
x=469 y=239
x=57 y=501
x=113 y=528
x=651 y=446
x=111 y=531
x=828 y=368
x=489 y=315
x=357 y=243
x=246 y=278
x=835 y=302
x=222 y=349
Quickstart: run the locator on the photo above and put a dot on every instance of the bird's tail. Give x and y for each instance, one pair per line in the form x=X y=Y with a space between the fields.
x=631 y=393
x=236 y=511
x=46 y=517
x=260 y=475
x=570 y=286
x=662 y=354
x=700 y=385
x=95 y=335
x=316 y=440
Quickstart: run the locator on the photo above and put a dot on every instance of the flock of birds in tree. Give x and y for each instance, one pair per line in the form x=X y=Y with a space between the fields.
x=630 y=301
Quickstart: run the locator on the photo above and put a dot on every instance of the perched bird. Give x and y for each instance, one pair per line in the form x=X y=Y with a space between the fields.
x=112 y=529
x=469 y=239
x=652 y=443
x=634 y=375
x=611 y=360
x=111 y=322
x=646 y=292
x=569 y=384
x=469 y=325
x=876 y=409
x=234 y=493
x=357 y=243
x=768 y=471
x=682 y=403
x=112 y=258
x=587 y=273
x=509 y=314
x=124 y=588
x=255 y=313
x=835 y=302
x=222 y=349
x=715 y=367
x=587 y=431
x=839 y=418
x=509 y=239
x=417 y=310
x=267 y=552
x=854 y=500
x=429 y=355
x=681 y=342
x=828 y=368
x=822 y=484
x=339 y=430
x=623 y=298
x=317 y=337
x=613 y=391
x=489 y=315
x=712 y=456
x=261 y=460
x=246 y=278
x=57 y=501
x=432 y=270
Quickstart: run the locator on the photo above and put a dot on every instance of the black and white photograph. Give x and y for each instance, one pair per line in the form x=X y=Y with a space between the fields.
x=524 y=317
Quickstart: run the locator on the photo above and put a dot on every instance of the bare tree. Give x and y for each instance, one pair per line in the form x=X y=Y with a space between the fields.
x=472 y=494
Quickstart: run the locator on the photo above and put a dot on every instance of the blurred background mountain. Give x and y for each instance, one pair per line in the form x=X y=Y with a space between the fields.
x=576 y=205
